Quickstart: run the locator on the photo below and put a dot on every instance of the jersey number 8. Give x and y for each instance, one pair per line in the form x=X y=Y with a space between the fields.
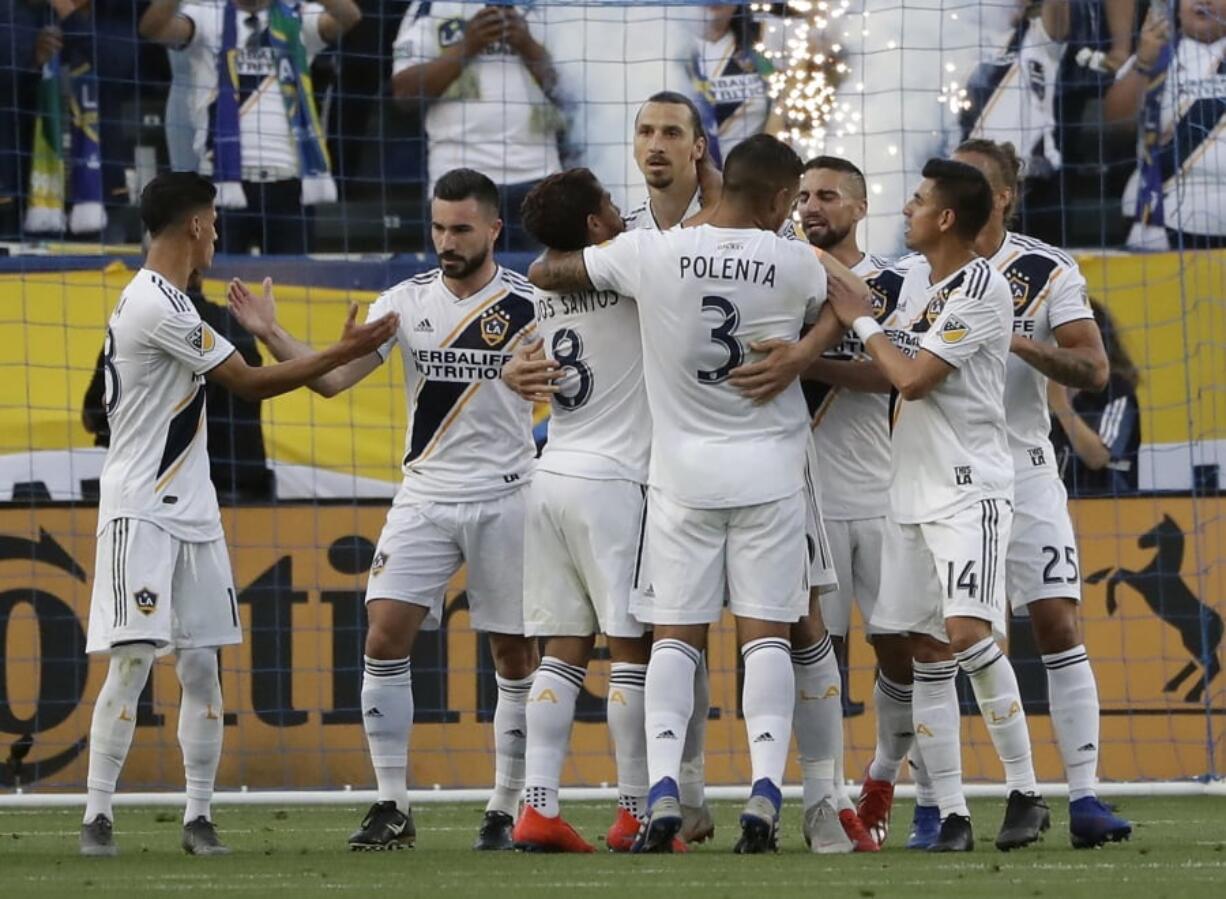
x=110 y=374
x=567 y=348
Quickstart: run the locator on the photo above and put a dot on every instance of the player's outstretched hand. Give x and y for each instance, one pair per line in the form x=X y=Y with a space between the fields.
x=848 y=297
x=258 y=314
x=531 y=374
x=765 y=379
x=361 y=340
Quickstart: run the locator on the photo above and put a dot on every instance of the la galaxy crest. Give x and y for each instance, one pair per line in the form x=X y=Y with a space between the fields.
x=495 y=325
x=146 y=601
x=1019 y=284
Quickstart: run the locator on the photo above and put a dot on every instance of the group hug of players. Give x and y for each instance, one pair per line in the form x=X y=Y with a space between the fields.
x=683 y=473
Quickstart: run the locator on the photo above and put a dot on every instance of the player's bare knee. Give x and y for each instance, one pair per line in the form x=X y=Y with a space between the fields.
x=391 y=628
x=750 y=629
x=808 y=630
x=928 y=649
x=515 y=657
x=630 y=650
x=893 y=656
x=1056 y=623
x=571 y=650
x=691 y=634
x=966 y=632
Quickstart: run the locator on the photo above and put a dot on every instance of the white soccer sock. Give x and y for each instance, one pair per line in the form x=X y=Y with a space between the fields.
x=1073 y=696
x=510 y=739
x=387 y=716
x=768 y=697
x=550 y=713
x=666 y=709
x=1000 y=703
x=934 y=709
x=200 y=728
x=841 y=796
x=925 y=793
x=693 y=783
x=114 y=722
x=895 y=729
x=818 y=719
x=625 y=714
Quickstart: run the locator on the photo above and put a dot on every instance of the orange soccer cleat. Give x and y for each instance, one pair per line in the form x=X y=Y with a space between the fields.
x=860 y=838
x=625 y=828
x=873 y=806
x=536 y=833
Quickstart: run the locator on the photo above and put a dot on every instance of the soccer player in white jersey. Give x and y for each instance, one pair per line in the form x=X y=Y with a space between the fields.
x=1054 y=336
x=851 y=436
x=468 y=457
x=585 y=509
x=951 y=485
x=162 y=580
x=726 y=512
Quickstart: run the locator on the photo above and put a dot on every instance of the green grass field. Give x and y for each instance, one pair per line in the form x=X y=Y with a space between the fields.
x=1177 y=850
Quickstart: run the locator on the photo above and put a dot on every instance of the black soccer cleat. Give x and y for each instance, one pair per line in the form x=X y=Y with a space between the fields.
x=496 y=833
x=98 y=838
x=200 y=838
x=759 y=827
x=1026 y=818
x=385 y=827
x=955 y=836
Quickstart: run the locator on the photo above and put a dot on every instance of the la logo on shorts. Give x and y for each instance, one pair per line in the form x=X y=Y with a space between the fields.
x=953 y=330
x=146 y=600
x=377 y=563
x=494 y=326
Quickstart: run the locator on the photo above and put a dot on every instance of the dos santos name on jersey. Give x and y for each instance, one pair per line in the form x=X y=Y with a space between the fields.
x=576 y=303
x=460 y=365
x=729 y=268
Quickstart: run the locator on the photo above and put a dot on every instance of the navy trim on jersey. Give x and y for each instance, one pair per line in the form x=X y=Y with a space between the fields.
x=1193 y=128
x=1028 y=276
x=520 y=310
x=181 y=430
x=177 y=299
x=886 y=284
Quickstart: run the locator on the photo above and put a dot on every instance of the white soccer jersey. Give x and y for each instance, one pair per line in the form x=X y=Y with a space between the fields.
x=851 y=428
x=600 y=426
x=494 y=117
x=469 y=436
x=704 y=293
x=643 y=216
x=949 y=449
x=1048 y=291
x=157 y=468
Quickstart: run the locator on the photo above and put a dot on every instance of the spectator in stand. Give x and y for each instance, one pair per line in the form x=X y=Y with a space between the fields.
x=1175 y=86
x=1097 y=436
x=238 y=466
x=486 y=83
x=730 y=76
x=257 y=131
x=1033 y=92
x=56 y=55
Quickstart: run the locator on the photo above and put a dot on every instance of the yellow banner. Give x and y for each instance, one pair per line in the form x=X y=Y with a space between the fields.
x=1152 y=615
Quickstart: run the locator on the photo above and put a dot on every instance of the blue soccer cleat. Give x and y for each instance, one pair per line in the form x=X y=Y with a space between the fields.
x=1092 y=823
x=663 y=818
x=925 y=827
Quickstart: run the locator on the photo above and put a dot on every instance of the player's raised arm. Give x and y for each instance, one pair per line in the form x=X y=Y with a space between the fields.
x=258 y=314
x=356 y=341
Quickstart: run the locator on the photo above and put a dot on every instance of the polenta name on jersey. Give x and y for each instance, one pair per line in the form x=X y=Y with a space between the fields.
x=728 y=268
x=460 y=365
x=548 y=306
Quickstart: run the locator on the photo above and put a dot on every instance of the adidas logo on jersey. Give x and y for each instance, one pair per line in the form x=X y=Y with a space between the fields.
x=424 y=327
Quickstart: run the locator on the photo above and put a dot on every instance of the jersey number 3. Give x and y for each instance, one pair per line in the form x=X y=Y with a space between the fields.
x=567 y=347
x=725 y=335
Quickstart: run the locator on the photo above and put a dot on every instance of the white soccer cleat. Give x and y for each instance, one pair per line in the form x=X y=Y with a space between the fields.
x=824 y=832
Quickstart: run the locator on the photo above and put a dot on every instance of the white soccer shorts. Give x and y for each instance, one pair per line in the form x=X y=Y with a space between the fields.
x=423 y=545
x=1042 y=558
x=152 y=587
x=755 y=555
x=944 y=569
x=581 y=546
x=856 y=548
